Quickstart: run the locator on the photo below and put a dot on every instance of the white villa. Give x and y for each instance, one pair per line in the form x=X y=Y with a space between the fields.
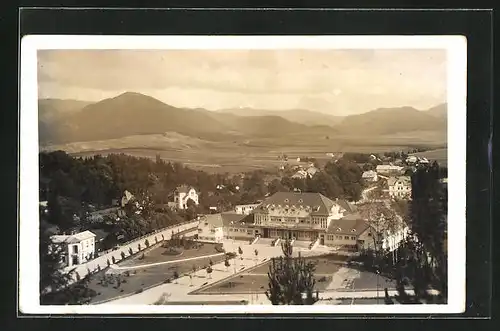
x=78 y=248
x=183 y=194
x=370 y=176
x=399 y=187
x=210 y=228
x=245 y=209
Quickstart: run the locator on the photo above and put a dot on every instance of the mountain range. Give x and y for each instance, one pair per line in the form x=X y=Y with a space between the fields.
x=302 y=116
x=130 y=113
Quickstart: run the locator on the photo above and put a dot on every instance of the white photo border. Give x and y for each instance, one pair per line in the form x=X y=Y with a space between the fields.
x=28 y=262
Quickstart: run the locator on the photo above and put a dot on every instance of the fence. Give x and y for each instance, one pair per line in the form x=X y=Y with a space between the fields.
x=170 y=227
x=135 y=246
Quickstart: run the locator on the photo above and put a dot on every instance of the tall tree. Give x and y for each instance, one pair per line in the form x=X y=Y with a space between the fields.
x=290 y=278
x=428 y=215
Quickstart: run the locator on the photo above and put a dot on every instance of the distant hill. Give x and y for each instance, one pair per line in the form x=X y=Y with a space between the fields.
x=53 y=113
x=391 y=121
x=267 y=125
x=131 y=114
x=302 y=116
x=135 y=114
x=52 y=109
x=439 y=110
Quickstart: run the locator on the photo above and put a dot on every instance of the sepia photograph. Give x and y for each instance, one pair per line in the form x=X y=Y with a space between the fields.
x=242 y=174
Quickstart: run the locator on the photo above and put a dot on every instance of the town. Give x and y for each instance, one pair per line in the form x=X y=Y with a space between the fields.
x=131 y=230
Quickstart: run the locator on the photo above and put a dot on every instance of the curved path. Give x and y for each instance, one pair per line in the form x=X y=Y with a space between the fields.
x=143 y=266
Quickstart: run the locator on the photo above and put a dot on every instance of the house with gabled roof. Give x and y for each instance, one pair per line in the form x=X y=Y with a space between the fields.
x=183 y=194
x=350 y=232
x=76 y=248
x=399 y=187
x=210 y=228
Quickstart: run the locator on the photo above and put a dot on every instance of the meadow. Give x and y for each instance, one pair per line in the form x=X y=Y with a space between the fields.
x=251 y=154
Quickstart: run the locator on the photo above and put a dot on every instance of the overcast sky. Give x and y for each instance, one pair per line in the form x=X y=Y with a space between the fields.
x=338 y=82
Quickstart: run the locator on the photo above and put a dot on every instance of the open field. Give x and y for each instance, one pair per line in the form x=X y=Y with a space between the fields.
x=440 y=155
x=250 y=154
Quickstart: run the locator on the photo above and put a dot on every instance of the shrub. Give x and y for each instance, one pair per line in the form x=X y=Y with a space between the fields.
x=108 y=262
x=176 y=274
x=131 y=252
x=156 y=239
x=139 y=291
x=123 y=255
x=139 y=246
x=167 y=281
x=146 y=243
x=113 y=259
x=127 y=273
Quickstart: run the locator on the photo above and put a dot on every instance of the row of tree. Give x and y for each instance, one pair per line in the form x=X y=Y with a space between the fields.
x=420 y=261
x=341 y=179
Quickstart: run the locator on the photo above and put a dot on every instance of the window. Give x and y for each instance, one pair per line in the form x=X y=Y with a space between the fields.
x=353 y=238
x=75 y=249
x=346 y=237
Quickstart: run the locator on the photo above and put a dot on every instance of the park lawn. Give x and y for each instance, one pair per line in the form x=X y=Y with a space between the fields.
x=162 y=254
x=142 y=279
x=252 y=283
x=325 y=264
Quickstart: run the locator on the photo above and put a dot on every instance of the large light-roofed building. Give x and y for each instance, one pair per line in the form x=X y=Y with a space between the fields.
x=301 y=216
x=309 y=217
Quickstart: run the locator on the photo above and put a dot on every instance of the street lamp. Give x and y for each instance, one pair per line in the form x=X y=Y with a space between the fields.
x=378 y=272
